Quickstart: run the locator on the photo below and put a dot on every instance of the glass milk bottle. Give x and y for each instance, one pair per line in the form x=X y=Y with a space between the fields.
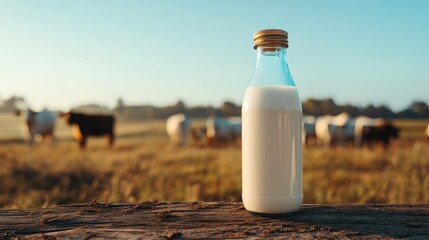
x=271 y=131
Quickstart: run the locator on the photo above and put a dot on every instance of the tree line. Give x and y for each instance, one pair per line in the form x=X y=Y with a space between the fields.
x=316 y=107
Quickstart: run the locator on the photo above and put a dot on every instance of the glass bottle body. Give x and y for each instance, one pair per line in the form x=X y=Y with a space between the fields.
x=271 y=137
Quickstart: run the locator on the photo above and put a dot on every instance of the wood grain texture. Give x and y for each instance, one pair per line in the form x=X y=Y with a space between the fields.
x=193 y=220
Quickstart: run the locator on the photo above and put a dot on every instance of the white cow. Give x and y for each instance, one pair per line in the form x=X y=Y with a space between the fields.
x=349 y=131
x=177 y=127
x=223 y=130
x=363 y=121
x=39 y=123
x=309 y=129
x=332 y=130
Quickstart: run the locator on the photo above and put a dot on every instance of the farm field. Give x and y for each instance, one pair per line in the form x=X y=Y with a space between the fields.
x=144 y=166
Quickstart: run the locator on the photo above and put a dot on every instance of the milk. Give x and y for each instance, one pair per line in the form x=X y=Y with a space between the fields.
x=272 y=149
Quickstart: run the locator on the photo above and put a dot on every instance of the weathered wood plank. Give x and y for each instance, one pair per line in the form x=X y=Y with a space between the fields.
x=214 y=220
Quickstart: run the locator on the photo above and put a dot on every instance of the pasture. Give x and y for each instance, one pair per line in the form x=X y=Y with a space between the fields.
x=144 y=166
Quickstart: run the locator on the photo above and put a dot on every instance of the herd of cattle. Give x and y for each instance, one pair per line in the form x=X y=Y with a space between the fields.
x=339 y=130
x=327 y=130
x=343 y=130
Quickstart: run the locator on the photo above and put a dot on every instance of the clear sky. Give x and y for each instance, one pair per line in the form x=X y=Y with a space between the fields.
x=60 y=54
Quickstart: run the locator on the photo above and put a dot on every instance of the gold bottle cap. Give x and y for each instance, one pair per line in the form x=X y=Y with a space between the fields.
x=270 y=37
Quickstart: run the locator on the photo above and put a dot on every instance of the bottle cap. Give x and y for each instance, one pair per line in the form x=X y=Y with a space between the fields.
x=270 y=37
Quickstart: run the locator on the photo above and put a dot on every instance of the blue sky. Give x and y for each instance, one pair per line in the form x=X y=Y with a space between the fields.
x=60 y=54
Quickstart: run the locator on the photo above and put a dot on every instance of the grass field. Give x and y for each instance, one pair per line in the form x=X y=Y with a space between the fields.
x=143 y=166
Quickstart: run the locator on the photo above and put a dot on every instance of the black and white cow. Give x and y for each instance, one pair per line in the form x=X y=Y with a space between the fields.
x=362 y=122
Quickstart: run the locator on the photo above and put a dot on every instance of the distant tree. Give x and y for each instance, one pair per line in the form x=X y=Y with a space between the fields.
x=419 y=107
x=320 y=107
x=120 y=105
x=180 y=107
x=165 y=112
x=382 y=111
x=329 y=106
x=229 y=109
x=353 y=111
x=370 y=111
x=385 y=112
x=311 y=107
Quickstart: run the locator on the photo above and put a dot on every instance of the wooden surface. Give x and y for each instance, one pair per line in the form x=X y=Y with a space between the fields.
x=190 y=220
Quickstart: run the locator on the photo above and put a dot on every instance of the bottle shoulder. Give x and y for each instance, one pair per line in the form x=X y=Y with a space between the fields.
x=277 y=98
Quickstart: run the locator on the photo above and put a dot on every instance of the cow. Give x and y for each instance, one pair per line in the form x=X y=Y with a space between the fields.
x=363 y=121
x=427 y=132
x=85 y=125
x=221 y=131
x=309 y=130
x=332 y=130
x=381 y=133
x=177 y=127
x=39 y=123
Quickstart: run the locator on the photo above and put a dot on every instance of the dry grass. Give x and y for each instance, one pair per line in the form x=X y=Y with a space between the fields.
x=143 y=166
x=396 y=175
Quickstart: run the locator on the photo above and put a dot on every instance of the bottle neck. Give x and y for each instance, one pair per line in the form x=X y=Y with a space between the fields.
x=271 y=67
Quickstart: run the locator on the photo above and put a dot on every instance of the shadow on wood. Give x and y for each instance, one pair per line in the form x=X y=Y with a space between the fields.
x=173 y=220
